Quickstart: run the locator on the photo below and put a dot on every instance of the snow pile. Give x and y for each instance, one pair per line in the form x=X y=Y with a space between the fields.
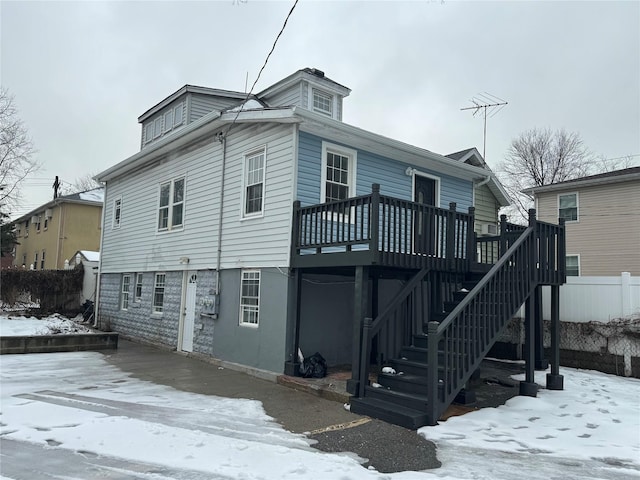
x=95 y=195
x=17 y=326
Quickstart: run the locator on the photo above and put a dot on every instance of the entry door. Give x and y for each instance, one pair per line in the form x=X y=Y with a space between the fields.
x=189 y=314
x=424 y=232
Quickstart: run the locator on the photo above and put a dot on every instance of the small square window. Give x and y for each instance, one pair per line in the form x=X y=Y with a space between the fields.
x=573 y=265
x=322 y=102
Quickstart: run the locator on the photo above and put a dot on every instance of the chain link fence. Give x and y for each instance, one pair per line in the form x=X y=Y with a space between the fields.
x=609 y=347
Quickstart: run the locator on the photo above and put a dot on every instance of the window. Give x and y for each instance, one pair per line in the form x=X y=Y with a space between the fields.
x=35 y=261
x=18 y=232
x=254 y=183
x=138 y=291
x=26 y=228
x=573 y=265
x=42 y=261
x=148 y=132
x=338 y=173
x=157 y=127
x=46 y=222
x=568 y=207
x=322 y=102
x=177 y=115
x=24 y=260
x=38 y=223
x=171 y=208
x=117 y=209
x=158 y=293
x=124 y=297
x=168 y=121
x=250 y=297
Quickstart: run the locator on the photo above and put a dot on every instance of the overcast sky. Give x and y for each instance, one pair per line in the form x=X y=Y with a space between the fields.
x=82 y=72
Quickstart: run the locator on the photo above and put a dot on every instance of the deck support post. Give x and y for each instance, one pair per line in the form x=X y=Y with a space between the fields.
x=541 y=362
x=292 y=365
x=529 y=387
x=470 y=254
x=432 y=373
x=361 y=293
x=555 y=381
x=503 y=235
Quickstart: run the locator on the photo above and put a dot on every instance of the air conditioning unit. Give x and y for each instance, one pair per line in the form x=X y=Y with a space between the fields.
x=489 y=229
x=48 y=213
x=35 y=219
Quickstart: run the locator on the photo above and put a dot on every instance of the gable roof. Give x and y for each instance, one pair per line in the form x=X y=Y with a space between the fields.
x=616 y=176
x=310 y=74
x=88 y=197
x=471 y=156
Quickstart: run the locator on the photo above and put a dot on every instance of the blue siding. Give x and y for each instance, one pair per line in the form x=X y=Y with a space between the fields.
x=372 y=168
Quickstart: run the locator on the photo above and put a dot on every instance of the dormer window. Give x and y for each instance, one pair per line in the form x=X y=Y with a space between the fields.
x=168 y=120
x=157 y=127
x=177 y=115
x=148 y=134
x=322 y=102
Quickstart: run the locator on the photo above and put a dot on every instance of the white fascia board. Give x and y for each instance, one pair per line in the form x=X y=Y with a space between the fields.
x=588 y=182
x=205 y=125
x=341 y=132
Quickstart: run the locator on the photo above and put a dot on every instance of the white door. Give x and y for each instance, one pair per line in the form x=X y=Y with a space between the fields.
x=189 y=314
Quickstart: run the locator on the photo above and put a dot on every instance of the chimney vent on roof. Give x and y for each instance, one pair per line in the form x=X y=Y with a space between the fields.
x=317 y=72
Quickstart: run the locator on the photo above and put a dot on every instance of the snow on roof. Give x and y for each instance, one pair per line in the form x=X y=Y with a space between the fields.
x=250 y=104
x=90 y=256
x=95 y=195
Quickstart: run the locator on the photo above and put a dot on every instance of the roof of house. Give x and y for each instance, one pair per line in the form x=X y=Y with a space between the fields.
x=88 y=197
x=471 y=156
x=616 y=176
x=88 y=255
x=310 y=74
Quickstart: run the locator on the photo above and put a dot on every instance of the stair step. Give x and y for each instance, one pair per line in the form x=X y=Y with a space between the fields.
x=410 y=400
x=409 y=366
x=418 y=354
x=406 y=383
x=389 y=412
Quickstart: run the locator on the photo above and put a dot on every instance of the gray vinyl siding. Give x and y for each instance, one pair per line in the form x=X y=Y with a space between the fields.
x=372 y=168
x=290 y=96
x=607 y=233
x=200 y=105
x=486 y=207
x=255 y=242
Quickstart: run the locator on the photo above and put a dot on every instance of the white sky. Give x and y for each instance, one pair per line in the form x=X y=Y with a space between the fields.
x=82 y=72
x=62 y=404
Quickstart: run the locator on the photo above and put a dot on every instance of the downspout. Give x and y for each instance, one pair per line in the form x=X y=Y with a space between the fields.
x=483 y=182
x=96 y=302
x=223 y=140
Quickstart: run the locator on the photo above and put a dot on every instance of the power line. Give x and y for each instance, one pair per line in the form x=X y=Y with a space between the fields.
x=266 y=60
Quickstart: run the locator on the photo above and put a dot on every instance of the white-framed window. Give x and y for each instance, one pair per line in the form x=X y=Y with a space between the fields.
x=158 y=293
x=323 y=102
x=338 y=175
x=124 y=292
x=171 y=205
x=177 y=114
x=573 y=265
x=157 y=127
x=117 y=212
x=148 y=132
x=46 y=223
x=254 y=168
x=137 y=295
x=568 y=207
x=168 y=121
x=38 y=223
x=35 y=261
x=250 y=298
x=42 y=261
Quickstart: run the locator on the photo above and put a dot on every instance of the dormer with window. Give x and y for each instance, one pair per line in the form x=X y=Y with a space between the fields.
x=182 y=108
x=308 y=88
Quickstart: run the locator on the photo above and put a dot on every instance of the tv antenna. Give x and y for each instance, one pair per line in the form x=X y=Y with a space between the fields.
x=485 y=101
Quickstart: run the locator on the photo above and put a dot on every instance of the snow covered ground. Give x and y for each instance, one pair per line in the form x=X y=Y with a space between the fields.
x=12 y=326
x=75 y=416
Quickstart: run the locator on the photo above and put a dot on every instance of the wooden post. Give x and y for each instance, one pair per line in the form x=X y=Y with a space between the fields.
x=541 y=363
x=470 y=254
x=295 y=232
x=374 y=223
x=529 y=387
x=451 y=235
x=432 y=373
x=361 y=291
x=555 y=381
x=503 y=235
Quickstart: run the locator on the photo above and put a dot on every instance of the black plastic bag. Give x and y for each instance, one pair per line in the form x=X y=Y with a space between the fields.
x=314 y=366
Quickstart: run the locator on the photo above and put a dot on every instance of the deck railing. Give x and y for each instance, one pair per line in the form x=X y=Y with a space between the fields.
x=385 y=230
x=466 y=335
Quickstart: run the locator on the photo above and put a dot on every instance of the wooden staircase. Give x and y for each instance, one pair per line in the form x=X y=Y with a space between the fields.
x=433 y=363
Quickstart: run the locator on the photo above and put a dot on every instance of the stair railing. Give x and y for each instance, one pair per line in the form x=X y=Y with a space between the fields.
x=397 y=321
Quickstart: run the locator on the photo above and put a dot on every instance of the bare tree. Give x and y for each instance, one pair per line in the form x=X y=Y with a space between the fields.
x=541 y=157
x=81 y=184
x=16 y=152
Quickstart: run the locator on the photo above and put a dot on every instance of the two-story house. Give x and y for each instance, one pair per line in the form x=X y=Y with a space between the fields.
x=601 y=216
x=249 y=228
x=53 y=232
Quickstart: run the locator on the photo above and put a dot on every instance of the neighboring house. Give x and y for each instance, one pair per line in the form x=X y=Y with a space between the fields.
x=602 y=222
x=246 y=229
x=53 y=232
